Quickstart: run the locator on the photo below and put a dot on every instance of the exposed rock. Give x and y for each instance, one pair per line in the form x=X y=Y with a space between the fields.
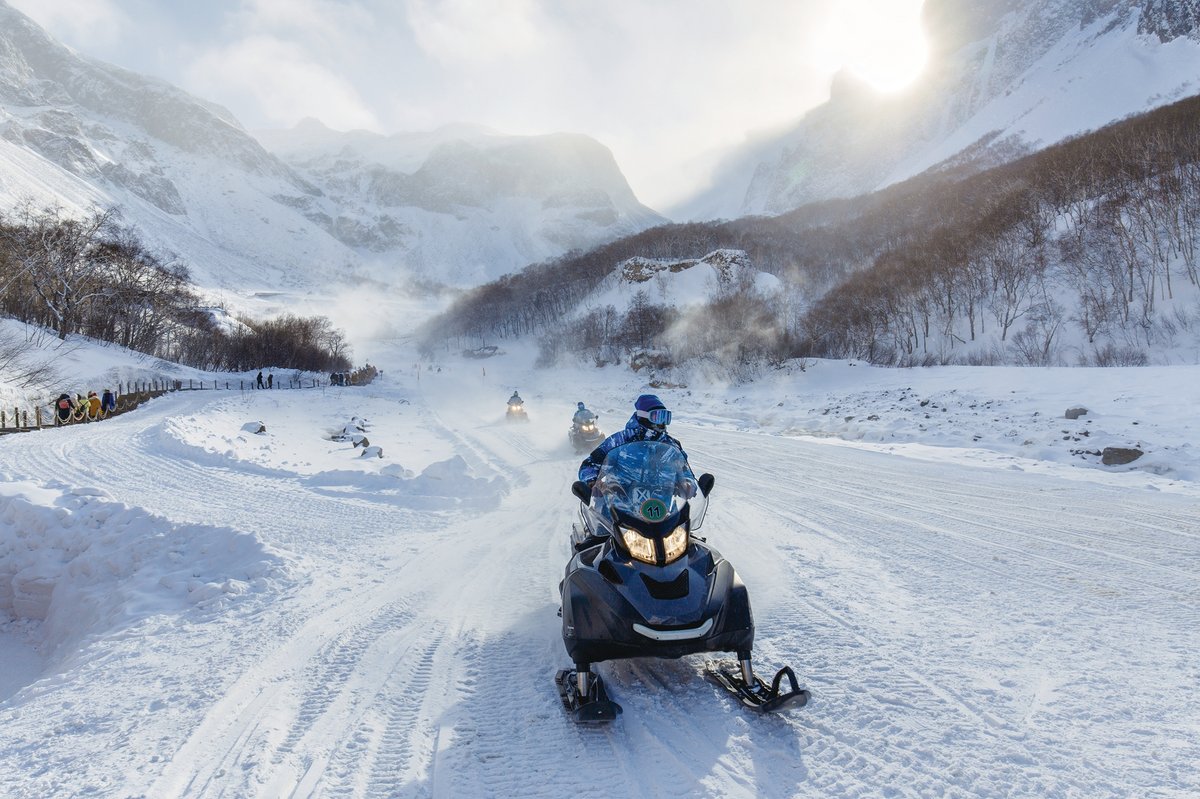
x=1169 y=20
x=255 y=427
x=372 y=452
x=1075 y=413
x=1118 y=456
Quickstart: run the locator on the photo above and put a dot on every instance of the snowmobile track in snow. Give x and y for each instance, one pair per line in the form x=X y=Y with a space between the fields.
x=960 y=628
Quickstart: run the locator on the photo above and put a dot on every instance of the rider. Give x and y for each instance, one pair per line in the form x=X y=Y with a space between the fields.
x=515 y=399
x=582 y=415
x=648 y=423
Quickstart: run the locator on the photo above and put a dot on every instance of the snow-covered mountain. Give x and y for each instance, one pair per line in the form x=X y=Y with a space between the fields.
x=461 y=204
x=1005 y=77
x=457 y=206
x=77 y=132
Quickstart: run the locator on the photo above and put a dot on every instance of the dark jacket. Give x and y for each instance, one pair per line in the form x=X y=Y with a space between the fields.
x=634 y=430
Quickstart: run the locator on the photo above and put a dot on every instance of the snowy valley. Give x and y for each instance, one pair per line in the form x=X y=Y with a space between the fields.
x=984 y=574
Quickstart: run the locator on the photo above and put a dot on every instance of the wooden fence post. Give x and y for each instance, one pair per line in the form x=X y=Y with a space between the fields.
x=37 y=415
x=3 y=423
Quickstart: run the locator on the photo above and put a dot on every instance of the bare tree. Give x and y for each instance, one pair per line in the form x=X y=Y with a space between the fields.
x=64 y=260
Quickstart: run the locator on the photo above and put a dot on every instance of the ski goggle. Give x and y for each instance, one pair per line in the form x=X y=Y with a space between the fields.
x=658 y=416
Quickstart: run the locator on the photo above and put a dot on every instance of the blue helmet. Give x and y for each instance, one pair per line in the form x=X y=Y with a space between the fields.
x=648 y=402
x=651 y=411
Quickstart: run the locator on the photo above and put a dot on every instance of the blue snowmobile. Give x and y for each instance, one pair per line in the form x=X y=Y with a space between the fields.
x=642 y=584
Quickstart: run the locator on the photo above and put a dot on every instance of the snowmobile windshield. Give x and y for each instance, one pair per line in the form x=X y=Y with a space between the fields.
x=648 y=481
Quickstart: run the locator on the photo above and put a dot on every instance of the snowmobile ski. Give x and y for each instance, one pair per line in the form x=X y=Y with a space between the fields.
x=759 y=696
x=594 y=708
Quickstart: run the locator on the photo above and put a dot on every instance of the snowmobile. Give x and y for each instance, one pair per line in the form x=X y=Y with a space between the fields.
x=516 y=412
x=586 y=435
x=642 y=584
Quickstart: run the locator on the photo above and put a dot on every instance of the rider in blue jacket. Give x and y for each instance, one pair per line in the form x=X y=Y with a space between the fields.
x=648 y=423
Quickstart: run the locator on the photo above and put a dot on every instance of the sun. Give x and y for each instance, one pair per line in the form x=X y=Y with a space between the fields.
x=881 y=42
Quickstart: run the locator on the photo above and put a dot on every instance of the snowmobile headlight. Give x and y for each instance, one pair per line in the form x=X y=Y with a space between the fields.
x=676 y=543
x=638 y=545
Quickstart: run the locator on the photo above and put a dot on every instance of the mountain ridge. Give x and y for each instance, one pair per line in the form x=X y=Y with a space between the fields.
x=81 y=133
x=1004 y=78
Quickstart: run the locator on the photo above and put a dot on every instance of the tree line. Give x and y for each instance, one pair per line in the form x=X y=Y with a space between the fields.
x=91 y=275
x=1092 y=236
x=1095 y=234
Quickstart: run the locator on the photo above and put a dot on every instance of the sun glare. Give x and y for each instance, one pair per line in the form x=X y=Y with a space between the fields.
x=878 y=41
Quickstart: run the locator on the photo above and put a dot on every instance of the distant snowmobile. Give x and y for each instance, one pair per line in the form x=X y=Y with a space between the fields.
x=516 y=409
x=642 y=585
x=585 y=435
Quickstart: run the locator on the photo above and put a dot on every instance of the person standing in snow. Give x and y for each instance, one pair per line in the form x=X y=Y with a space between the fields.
x=270 y=381
x=62 y=409
x=648 y=423
x=260 y=380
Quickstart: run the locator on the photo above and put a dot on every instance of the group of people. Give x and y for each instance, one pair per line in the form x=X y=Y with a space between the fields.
x=270 y=380
x=339 y=379
x=79 y=408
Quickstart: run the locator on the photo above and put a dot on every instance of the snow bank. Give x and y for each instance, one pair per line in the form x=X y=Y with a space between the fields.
x=84 y=565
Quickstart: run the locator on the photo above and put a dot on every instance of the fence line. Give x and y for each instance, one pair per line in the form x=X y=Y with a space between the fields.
x=131 y=395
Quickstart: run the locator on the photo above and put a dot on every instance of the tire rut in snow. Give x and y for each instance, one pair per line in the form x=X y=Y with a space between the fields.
x=329 y=675
x=387 y=750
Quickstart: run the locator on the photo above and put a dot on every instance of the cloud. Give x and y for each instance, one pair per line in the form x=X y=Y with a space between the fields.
x=475 y=31
x=329 y=26
x=282 y=81
x=84 y=24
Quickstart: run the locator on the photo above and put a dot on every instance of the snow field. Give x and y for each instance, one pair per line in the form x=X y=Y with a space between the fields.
x=973 y=621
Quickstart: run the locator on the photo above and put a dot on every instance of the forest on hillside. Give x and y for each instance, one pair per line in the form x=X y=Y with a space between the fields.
x=1092 y=241
x=94 y=276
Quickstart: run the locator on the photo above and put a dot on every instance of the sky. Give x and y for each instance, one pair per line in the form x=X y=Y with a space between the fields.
x=667 y=85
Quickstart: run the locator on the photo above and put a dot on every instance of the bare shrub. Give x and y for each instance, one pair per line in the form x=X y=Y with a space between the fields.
x=1112 y=355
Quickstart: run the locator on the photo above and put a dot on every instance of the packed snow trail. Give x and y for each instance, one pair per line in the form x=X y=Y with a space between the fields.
x=965 y=631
